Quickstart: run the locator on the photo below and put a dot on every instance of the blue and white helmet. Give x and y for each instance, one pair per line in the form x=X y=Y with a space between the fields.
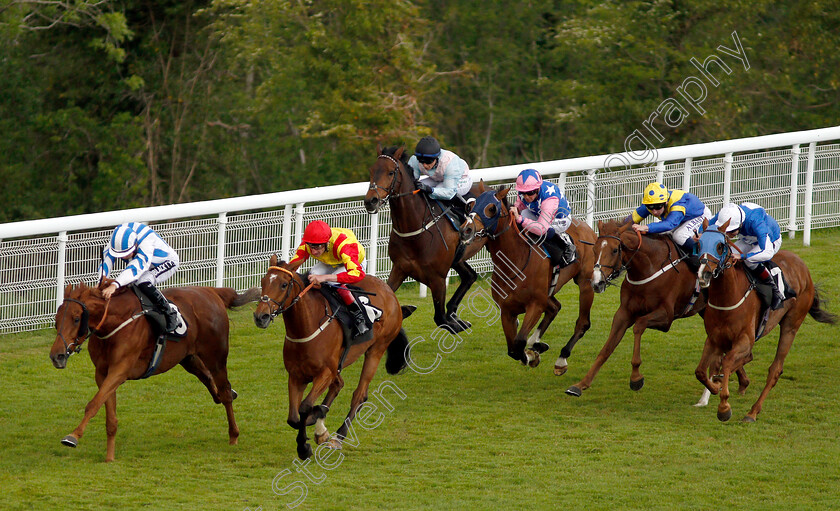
x=123 y=241
x=730 y=213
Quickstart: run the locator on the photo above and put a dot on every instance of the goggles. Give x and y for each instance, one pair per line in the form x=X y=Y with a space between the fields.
x=426 y=158
x=654 y=207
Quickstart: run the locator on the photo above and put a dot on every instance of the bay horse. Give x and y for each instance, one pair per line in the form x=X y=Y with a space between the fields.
x=121 y=348
x=521 y=281
x=423 y=244
x=733 y=313
x=313 y=348
x=659 y=288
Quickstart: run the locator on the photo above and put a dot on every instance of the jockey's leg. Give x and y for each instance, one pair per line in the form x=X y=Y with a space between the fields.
x=359 y=325
x=161 y=304
x=758 y=268
x=560 y=225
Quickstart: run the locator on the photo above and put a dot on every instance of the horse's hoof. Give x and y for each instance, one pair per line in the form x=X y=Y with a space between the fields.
x=452 y=327
x=233 y=394
x=724 y=416
x=70 y=441
x=637 y=385
x=540 y=347
x=320 y=438
x=574 y=390
x=334 y=444
x=533 y=358
x=304 y=451
x=560 y=371
x=748 y=419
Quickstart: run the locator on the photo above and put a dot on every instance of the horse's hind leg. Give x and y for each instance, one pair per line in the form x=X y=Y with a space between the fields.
x=788 y=332
x=586 y=297
x=468 y=277
x=621 y=322
x=195 y=366
x=535 y=340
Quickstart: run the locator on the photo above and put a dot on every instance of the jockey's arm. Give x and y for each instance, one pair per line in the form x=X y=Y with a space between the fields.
x=350 y=257
x=548 y=208
x=671 y=221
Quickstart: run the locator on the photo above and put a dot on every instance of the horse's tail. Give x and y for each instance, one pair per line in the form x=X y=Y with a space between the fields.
x=818 y=313
x=233 y=299
x=397 y=352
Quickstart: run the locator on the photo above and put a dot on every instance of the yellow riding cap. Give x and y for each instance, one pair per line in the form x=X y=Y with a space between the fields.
x=655 y=193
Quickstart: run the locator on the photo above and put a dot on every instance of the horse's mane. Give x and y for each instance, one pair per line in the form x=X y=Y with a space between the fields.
x=391 y=151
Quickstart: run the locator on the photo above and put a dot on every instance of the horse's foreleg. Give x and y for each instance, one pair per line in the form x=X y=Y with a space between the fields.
x=585 y=298
x=710 y=354
x=396 y=278
x=532 y=314
x=360 y=395
x=117 y=374
x=468 y=277
x=637 y=381
x=788 y=333
x=321 y=382
x=621 y=322
x=736 y=357
x=743 y=381
x=319 y=413
x=437 y=287
x=509 y=324
x=110 y=421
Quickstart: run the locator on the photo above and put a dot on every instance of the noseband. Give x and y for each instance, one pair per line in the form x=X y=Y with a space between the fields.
x=616 y=272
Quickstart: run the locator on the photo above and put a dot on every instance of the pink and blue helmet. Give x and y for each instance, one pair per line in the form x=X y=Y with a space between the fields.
x=528 y=181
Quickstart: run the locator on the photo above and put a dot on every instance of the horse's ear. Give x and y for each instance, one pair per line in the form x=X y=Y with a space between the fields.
x=624 y=227
x=705 y=223
x=502 y=193
x=399 y=152
x=273 y=260
x=723 y=227
x=600 y=226
x=379 y=149
x=470 y=205
x=482 y=186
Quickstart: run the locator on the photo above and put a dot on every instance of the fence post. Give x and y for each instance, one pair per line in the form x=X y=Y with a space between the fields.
x=60 y=275
x=794 y=193
x=687 y=174
x=727 y=178
x=220 y=250
x=286 y=236
x=374 y=243
x=298 y=224
x=809 y=192
x=590 y=197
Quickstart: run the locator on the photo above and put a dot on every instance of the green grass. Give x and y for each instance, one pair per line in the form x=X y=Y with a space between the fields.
x=478 y=432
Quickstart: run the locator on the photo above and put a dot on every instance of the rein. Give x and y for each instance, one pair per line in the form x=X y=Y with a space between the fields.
x=615 y=274
x=725 y=264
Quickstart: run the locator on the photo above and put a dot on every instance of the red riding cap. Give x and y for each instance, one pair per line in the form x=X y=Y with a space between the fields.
x=317 y=232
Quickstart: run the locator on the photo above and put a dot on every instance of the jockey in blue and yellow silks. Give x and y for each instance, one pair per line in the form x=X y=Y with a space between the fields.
x=681 y=214
x=341 y=258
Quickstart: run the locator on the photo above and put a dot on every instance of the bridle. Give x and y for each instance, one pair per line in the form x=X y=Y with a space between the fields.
x=75 y=346
x=725 y=253
x=280 y=309
x=617 y=272
x=390 y=191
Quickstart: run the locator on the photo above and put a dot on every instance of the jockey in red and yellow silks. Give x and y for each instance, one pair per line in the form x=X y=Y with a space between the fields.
x=342 y=249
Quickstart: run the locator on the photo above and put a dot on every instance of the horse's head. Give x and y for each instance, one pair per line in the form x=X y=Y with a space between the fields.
x=714 y=251
x=483 y=215
x=281 y=288
x=608 y=253
x=71 y=323
x=387 y=177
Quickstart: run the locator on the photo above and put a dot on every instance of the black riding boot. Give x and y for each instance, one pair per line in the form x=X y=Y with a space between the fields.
x=556 y=250
x=569 y=250
x=778 y=297
x=161 y=304
x=359 y=325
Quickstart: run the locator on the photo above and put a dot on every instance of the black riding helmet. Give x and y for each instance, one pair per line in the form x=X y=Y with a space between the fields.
x=427 y=150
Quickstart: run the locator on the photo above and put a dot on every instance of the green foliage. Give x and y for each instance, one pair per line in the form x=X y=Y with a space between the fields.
x=228 y=97
x=479 y=432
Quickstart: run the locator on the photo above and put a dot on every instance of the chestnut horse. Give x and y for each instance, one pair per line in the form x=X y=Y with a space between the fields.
x=313 y=348
x=521 y=281
x=733 y=313
x=658 y=289
x=121 y=347
x=423 y=244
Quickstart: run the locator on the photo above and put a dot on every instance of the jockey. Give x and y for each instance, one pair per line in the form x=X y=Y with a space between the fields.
x=681 y=215
x=441 y=173
x=760 y=239
x=542 y=209
x=341 y=258
x=150 y=262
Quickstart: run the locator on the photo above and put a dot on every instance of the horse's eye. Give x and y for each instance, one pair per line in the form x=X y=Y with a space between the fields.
x=615 y=251
x=392 y=172
x=720 y=247
x=283 y=285
x=76 y=320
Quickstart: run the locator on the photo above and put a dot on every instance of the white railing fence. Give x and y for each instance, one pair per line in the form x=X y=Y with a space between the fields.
x=795 y=176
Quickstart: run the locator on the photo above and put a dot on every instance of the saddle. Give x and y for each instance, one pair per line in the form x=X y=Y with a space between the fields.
x=158 y=322
x=765 y=292
x=346 y=317
x=157 y=319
